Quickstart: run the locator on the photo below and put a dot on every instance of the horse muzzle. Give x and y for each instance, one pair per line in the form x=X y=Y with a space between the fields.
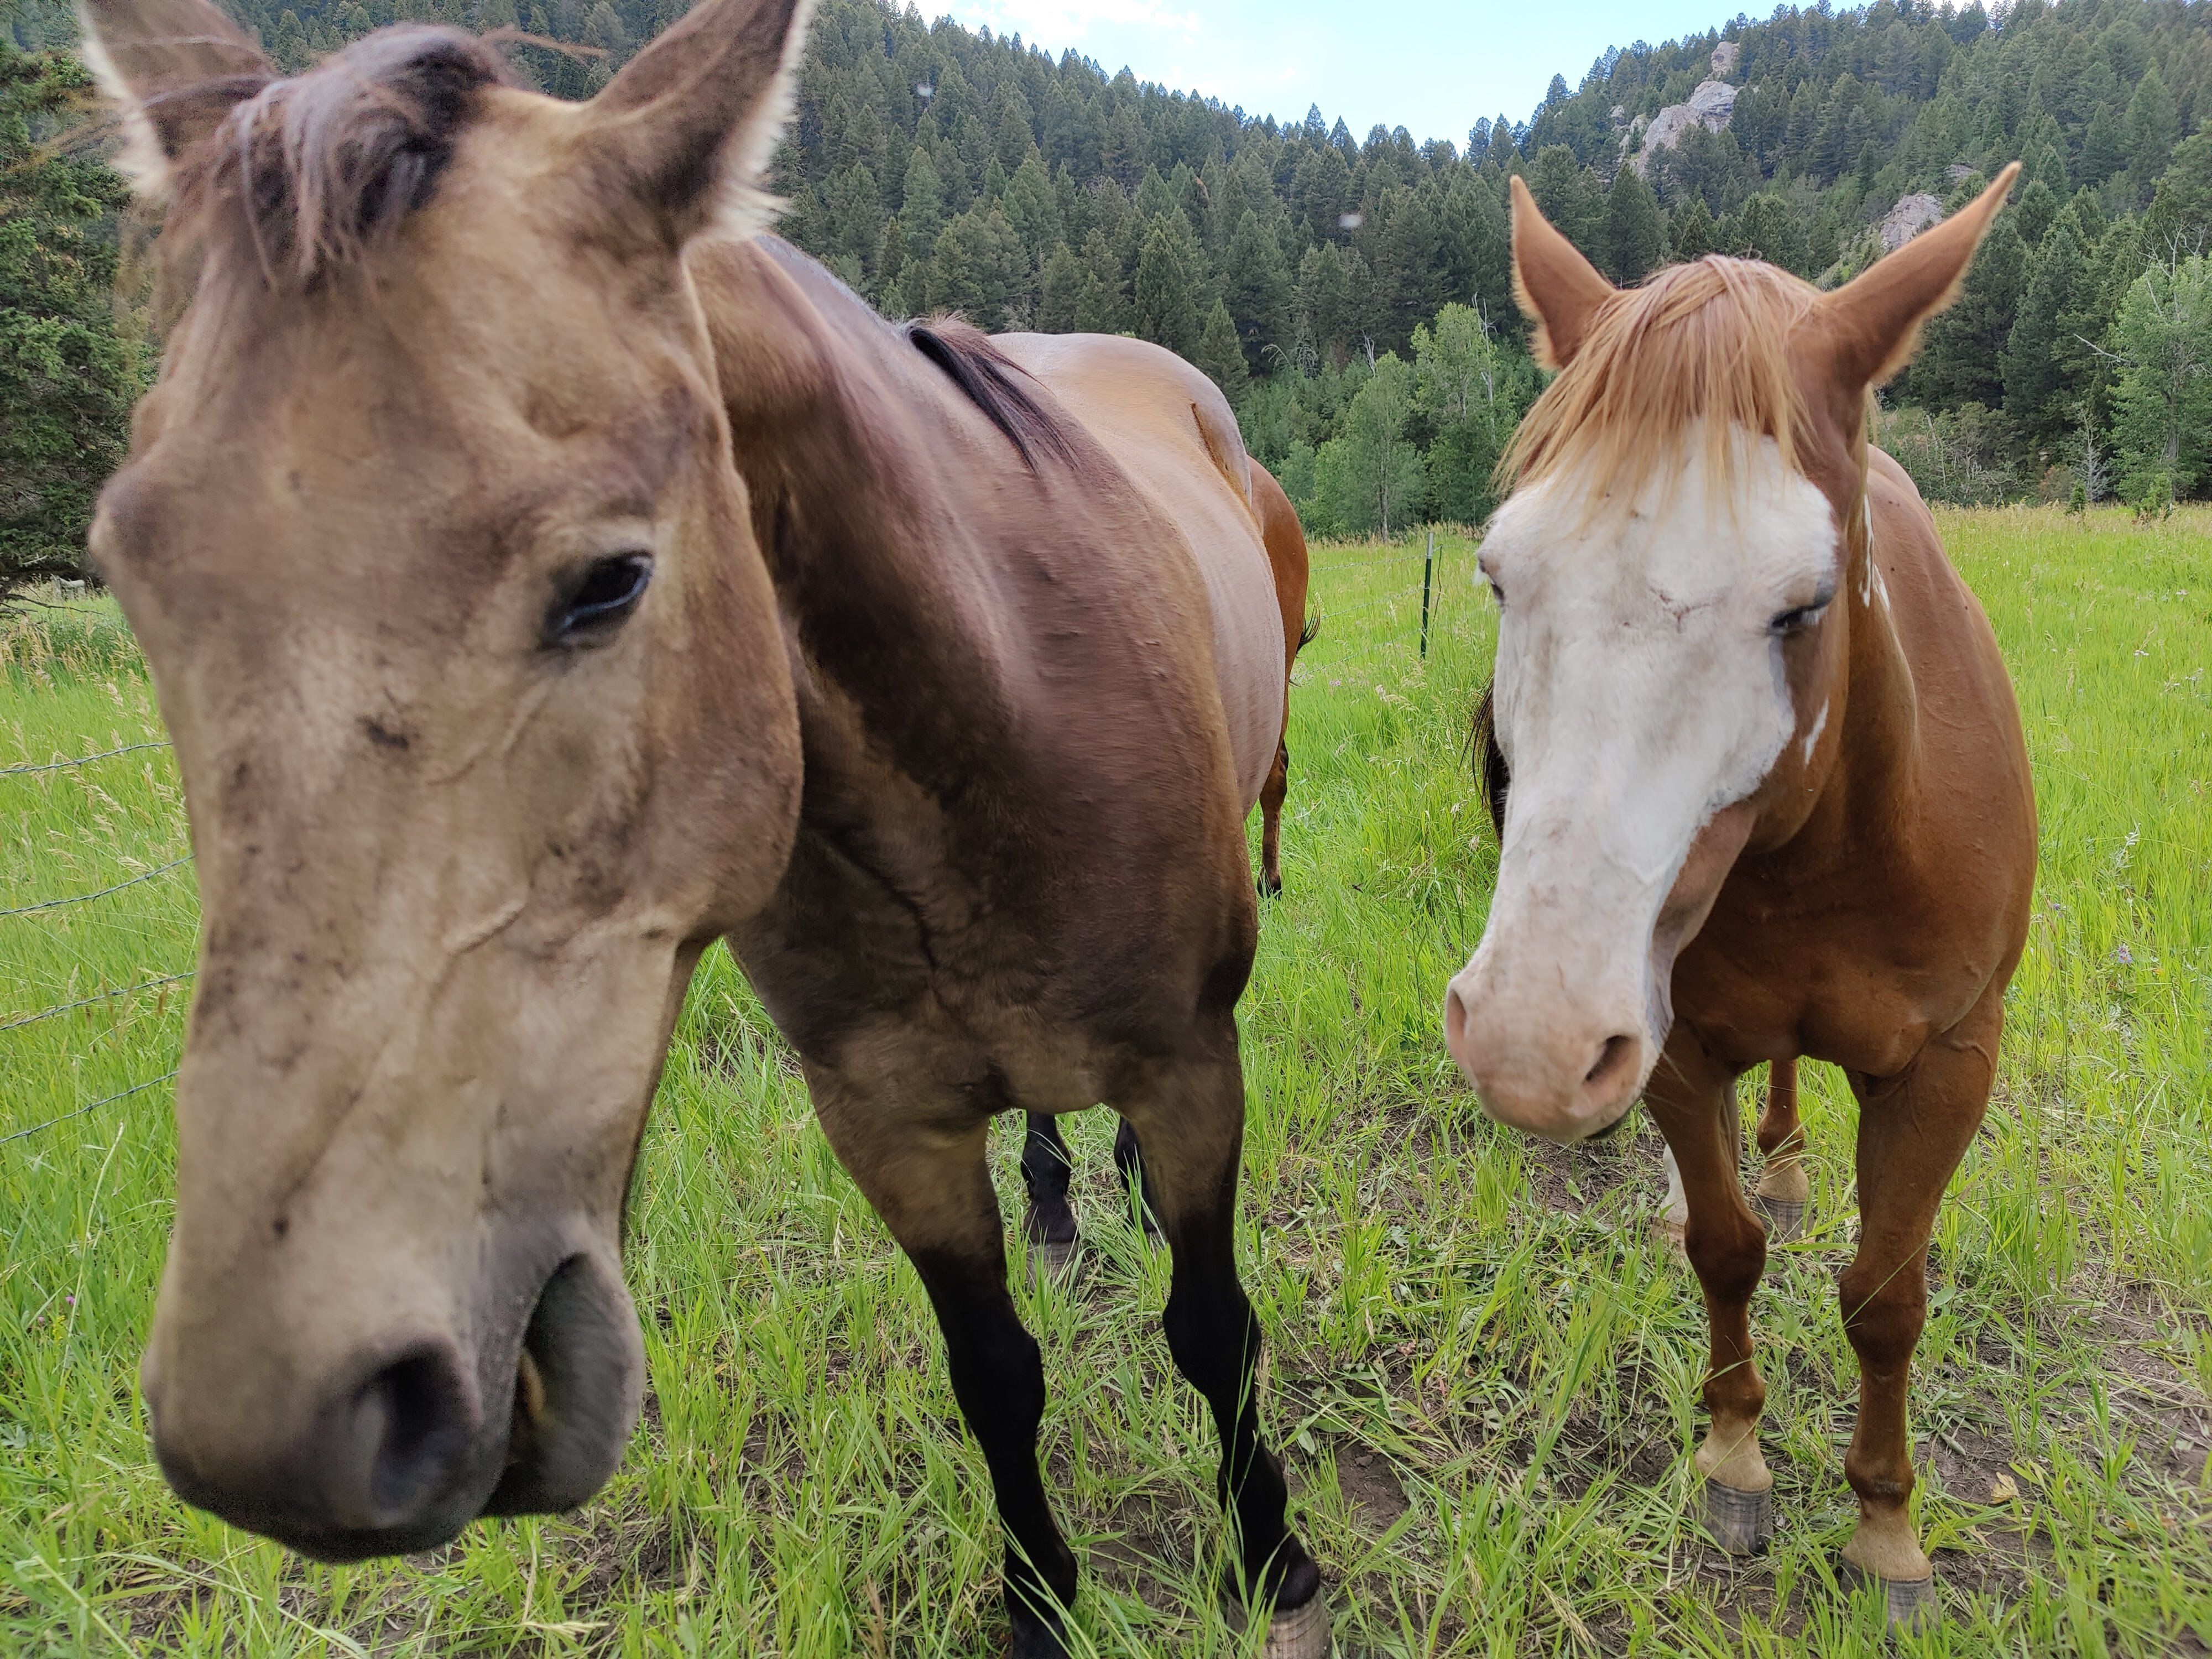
x=399 y=1450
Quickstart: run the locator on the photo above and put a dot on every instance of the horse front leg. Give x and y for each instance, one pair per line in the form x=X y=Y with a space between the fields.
x=926 y=1174
x=1783 y=1189
x=1913 y=1130
x=1189 y=1116
x=1692 y=1096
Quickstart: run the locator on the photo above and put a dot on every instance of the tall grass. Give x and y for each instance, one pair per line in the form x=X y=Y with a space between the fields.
x=1482 y=1373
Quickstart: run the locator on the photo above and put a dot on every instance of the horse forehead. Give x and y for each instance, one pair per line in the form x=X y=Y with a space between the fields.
x=1700 y=535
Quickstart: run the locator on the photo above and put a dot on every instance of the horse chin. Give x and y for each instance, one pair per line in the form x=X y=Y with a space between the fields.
x=579 y=1379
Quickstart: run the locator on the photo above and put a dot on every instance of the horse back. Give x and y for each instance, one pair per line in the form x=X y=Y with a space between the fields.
x=1168 y=428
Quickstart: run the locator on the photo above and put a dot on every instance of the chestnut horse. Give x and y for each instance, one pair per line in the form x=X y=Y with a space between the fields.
x=1049 y=1223
x=1769 y=796
x=543 y=575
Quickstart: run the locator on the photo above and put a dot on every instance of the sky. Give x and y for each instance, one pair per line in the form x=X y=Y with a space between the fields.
x=1431 y=66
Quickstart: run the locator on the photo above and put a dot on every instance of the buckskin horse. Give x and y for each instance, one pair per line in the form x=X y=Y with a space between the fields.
x=1768 y=795
x=545 y=573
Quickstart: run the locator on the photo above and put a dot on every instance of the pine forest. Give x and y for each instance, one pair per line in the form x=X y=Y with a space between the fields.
x=1350 y=293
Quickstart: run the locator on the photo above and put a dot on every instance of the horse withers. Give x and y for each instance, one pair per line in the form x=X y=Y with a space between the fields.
x=1769 y=796
x=544 y=574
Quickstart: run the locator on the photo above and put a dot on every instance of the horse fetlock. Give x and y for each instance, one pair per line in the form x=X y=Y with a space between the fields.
x=1884 y=1545
x=1730 y=1454
x=1784 y=1179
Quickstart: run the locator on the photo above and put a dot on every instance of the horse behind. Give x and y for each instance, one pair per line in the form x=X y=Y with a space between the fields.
x=543 y=575
x=1048 y=1222
x=1768 y=796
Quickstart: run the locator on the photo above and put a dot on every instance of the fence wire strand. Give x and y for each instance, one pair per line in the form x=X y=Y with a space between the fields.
x=81 y=760
x=85 y=898
x=90 y=1106
x=61 y=1008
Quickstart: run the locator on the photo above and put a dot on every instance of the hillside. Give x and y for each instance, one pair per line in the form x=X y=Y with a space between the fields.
x=1318 y=276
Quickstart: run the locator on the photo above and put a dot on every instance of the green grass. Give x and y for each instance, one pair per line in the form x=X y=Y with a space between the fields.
x=1483 y=1373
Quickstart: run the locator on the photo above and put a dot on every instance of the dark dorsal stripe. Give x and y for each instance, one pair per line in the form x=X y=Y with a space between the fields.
x=996 y=384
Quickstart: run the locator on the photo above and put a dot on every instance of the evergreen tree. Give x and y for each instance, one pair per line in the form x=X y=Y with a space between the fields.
x=2152 y=128
x=1256 y=287
x=2039 y=397
x=1962 y=361
x=1765 y=229
x=1060 y=293
x=1032 y=208
x=1220 y=354
x=1163 y=310
x=1103 y=306
x=1695 y=234
x=1635 y=233
x=921 y=206
x=1564 y=190
x=67 y=380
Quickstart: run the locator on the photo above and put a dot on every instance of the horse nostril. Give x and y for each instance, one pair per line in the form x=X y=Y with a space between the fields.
x=1454 y=1017
x=1618 y=1054
x=412 y=1418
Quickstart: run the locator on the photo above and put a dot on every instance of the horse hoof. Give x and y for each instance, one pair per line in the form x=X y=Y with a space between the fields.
x=1295 y=1634
x=1668 y=1236
x=1741 y=1522
x=1907 y=1603
x=1049 y=1259
x=1301 y=1634
x=1786 y=1217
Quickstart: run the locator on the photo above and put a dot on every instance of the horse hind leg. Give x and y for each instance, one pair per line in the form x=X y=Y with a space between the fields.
x=1783 y=1189
x=1136 y=1179
x=1190 y=1115
x=1049 y=1224
x=1272 y=795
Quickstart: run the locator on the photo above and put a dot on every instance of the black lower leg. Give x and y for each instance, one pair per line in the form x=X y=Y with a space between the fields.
x=998 y=1376
x=1129 y=1158
x=1045 y=1167
x=1215 y=1340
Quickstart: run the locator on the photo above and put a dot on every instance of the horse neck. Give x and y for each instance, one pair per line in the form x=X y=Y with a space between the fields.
x=867 y=534
x=1878 y=763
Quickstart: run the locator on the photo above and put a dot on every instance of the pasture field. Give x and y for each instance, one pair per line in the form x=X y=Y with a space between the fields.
x=1482 y=1373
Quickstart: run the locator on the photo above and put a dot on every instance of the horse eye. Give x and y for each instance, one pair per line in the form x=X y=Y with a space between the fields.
x=600 y=599
x=1797 y=620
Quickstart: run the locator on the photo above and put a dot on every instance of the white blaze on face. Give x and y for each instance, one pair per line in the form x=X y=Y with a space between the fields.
x=1640 y=690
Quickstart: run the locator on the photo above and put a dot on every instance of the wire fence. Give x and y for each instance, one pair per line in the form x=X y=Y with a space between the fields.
x=1380 y=611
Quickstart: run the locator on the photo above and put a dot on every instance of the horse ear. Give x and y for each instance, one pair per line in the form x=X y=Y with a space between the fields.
x=1871 y=324
x=689 y=125
x=1560 y=291
x=174 y=68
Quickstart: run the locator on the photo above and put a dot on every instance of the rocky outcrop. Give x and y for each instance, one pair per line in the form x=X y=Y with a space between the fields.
x=1726 y=56
x=1911 y=216
x=1710 y=107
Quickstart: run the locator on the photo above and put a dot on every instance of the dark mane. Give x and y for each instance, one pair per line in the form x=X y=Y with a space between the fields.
x=311 y=171
x=1491 y=775
x=995 y=384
